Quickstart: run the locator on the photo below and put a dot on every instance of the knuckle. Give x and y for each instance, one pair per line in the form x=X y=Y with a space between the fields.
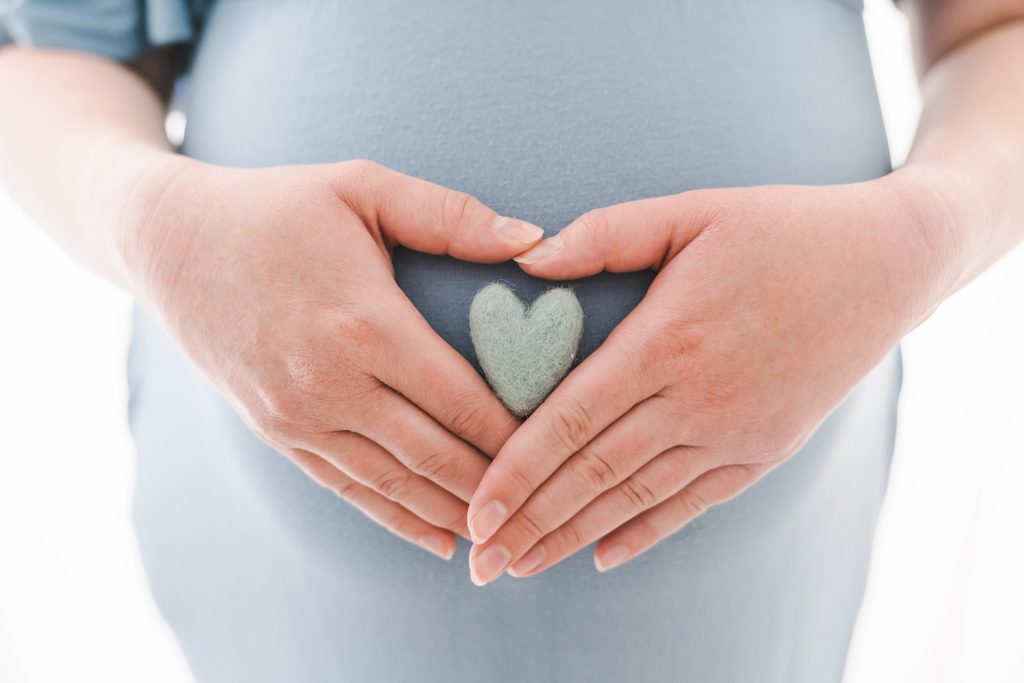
x=572 y=535
x=392 y=484
x=721 y=392
x=458 y=523
x=781 y=445
x=348 y=490
x=595 y=222
x=396 y=521
x=686 y=462
x=522 y=485
x=364 y=400
x=277 y=415
x=639 y=495
x=360 y=169
x=572 y=426
x=465 y=418
x=307 y=379
x=529 y=523
x=311 y=364
x=353 y=178
x=454 y=207
x=357 y=328
x=670 y=352
x=436 y=466
x=307 y=371
x=693 y=503
x=645 y=529
x=596 y=470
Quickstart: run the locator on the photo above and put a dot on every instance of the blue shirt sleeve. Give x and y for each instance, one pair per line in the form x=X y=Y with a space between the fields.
x=118 y=29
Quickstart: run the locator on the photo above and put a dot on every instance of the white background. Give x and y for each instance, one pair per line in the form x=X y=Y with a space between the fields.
x=946 y=595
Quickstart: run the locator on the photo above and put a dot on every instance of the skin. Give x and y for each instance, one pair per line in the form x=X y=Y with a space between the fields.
x=277 y=283
x=769 y=305
x=286 y=298
x=756 y=326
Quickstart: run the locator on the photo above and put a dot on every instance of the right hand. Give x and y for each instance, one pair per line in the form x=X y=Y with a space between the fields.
x=278 y=283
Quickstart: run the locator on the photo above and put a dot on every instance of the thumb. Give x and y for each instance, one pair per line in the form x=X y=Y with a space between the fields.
x=644 y=233
x=431 y=218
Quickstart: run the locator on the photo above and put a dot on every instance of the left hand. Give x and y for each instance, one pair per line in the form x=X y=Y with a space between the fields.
x=770 y=304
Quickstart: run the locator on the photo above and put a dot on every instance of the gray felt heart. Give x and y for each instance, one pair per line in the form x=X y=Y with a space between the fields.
x=525 y=351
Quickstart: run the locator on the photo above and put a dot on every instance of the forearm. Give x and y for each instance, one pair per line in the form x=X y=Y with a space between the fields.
x=81 y=134
x=970 y=140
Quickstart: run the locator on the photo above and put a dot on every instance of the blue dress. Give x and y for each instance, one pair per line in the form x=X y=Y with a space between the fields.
x=542 y=109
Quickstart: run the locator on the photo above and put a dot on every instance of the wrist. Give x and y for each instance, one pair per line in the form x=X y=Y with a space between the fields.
x=931 y=206
x=159 y=188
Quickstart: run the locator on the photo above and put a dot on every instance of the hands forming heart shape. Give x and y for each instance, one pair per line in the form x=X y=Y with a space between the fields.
x=769 y=305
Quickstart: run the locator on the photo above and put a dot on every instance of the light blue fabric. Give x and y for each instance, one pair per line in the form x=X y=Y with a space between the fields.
x=119 y=29
x=542 y=109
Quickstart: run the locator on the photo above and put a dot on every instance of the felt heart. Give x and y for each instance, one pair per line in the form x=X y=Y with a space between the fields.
x=525 y=351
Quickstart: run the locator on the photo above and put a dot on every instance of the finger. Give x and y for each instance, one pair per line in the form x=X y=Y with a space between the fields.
x=442 y=383
x=630 y=236
x=647 y=430
x=653 y=483
x=372 y=466
x=617 y=376
x=642 y=532
x=638 y=497
x=434 y=219
x=387 y=513
x=420 y=443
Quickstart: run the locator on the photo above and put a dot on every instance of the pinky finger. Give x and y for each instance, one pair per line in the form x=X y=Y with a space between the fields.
x=389 y=514
x=664 y=519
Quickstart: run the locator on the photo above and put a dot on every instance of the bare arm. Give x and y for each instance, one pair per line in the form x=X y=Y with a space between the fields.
x=971 y=134
x=770 y=304
x=305 y=331
x=81 y=133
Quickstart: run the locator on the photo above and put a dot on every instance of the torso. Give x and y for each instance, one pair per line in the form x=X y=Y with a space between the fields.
x=542 y=110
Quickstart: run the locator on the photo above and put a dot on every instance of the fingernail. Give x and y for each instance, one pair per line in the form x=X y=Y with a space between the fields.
x=516 y=230
x=528 y=562
x=437 y=545
x=487 y=520
x=611 y=558
x=541 y=251
x=488 y=565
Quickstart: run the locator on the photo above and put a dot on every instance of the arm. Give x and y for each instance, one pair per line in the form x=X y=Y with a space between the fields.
x=770 y=305
x=276 y=282
x=81 y=132
x=971 y=133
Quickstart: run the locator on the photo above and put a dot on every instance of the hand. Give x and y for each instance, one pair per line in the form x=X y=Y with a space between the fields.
x=278 y=283
x=770 y=304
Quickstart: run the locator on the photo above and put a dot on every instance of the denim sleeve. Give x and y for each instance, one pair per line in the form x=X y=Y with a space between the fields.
x=118 y=29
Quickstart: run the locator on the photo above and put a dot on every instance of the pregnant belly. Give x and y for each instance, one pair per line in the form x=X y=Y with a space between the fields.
x=541 y=110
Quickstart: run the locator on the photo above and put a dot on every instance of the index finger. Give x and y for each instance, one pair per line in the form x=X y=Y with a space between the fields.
x=434 y=219
x=419 y=364
x=601 y=389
